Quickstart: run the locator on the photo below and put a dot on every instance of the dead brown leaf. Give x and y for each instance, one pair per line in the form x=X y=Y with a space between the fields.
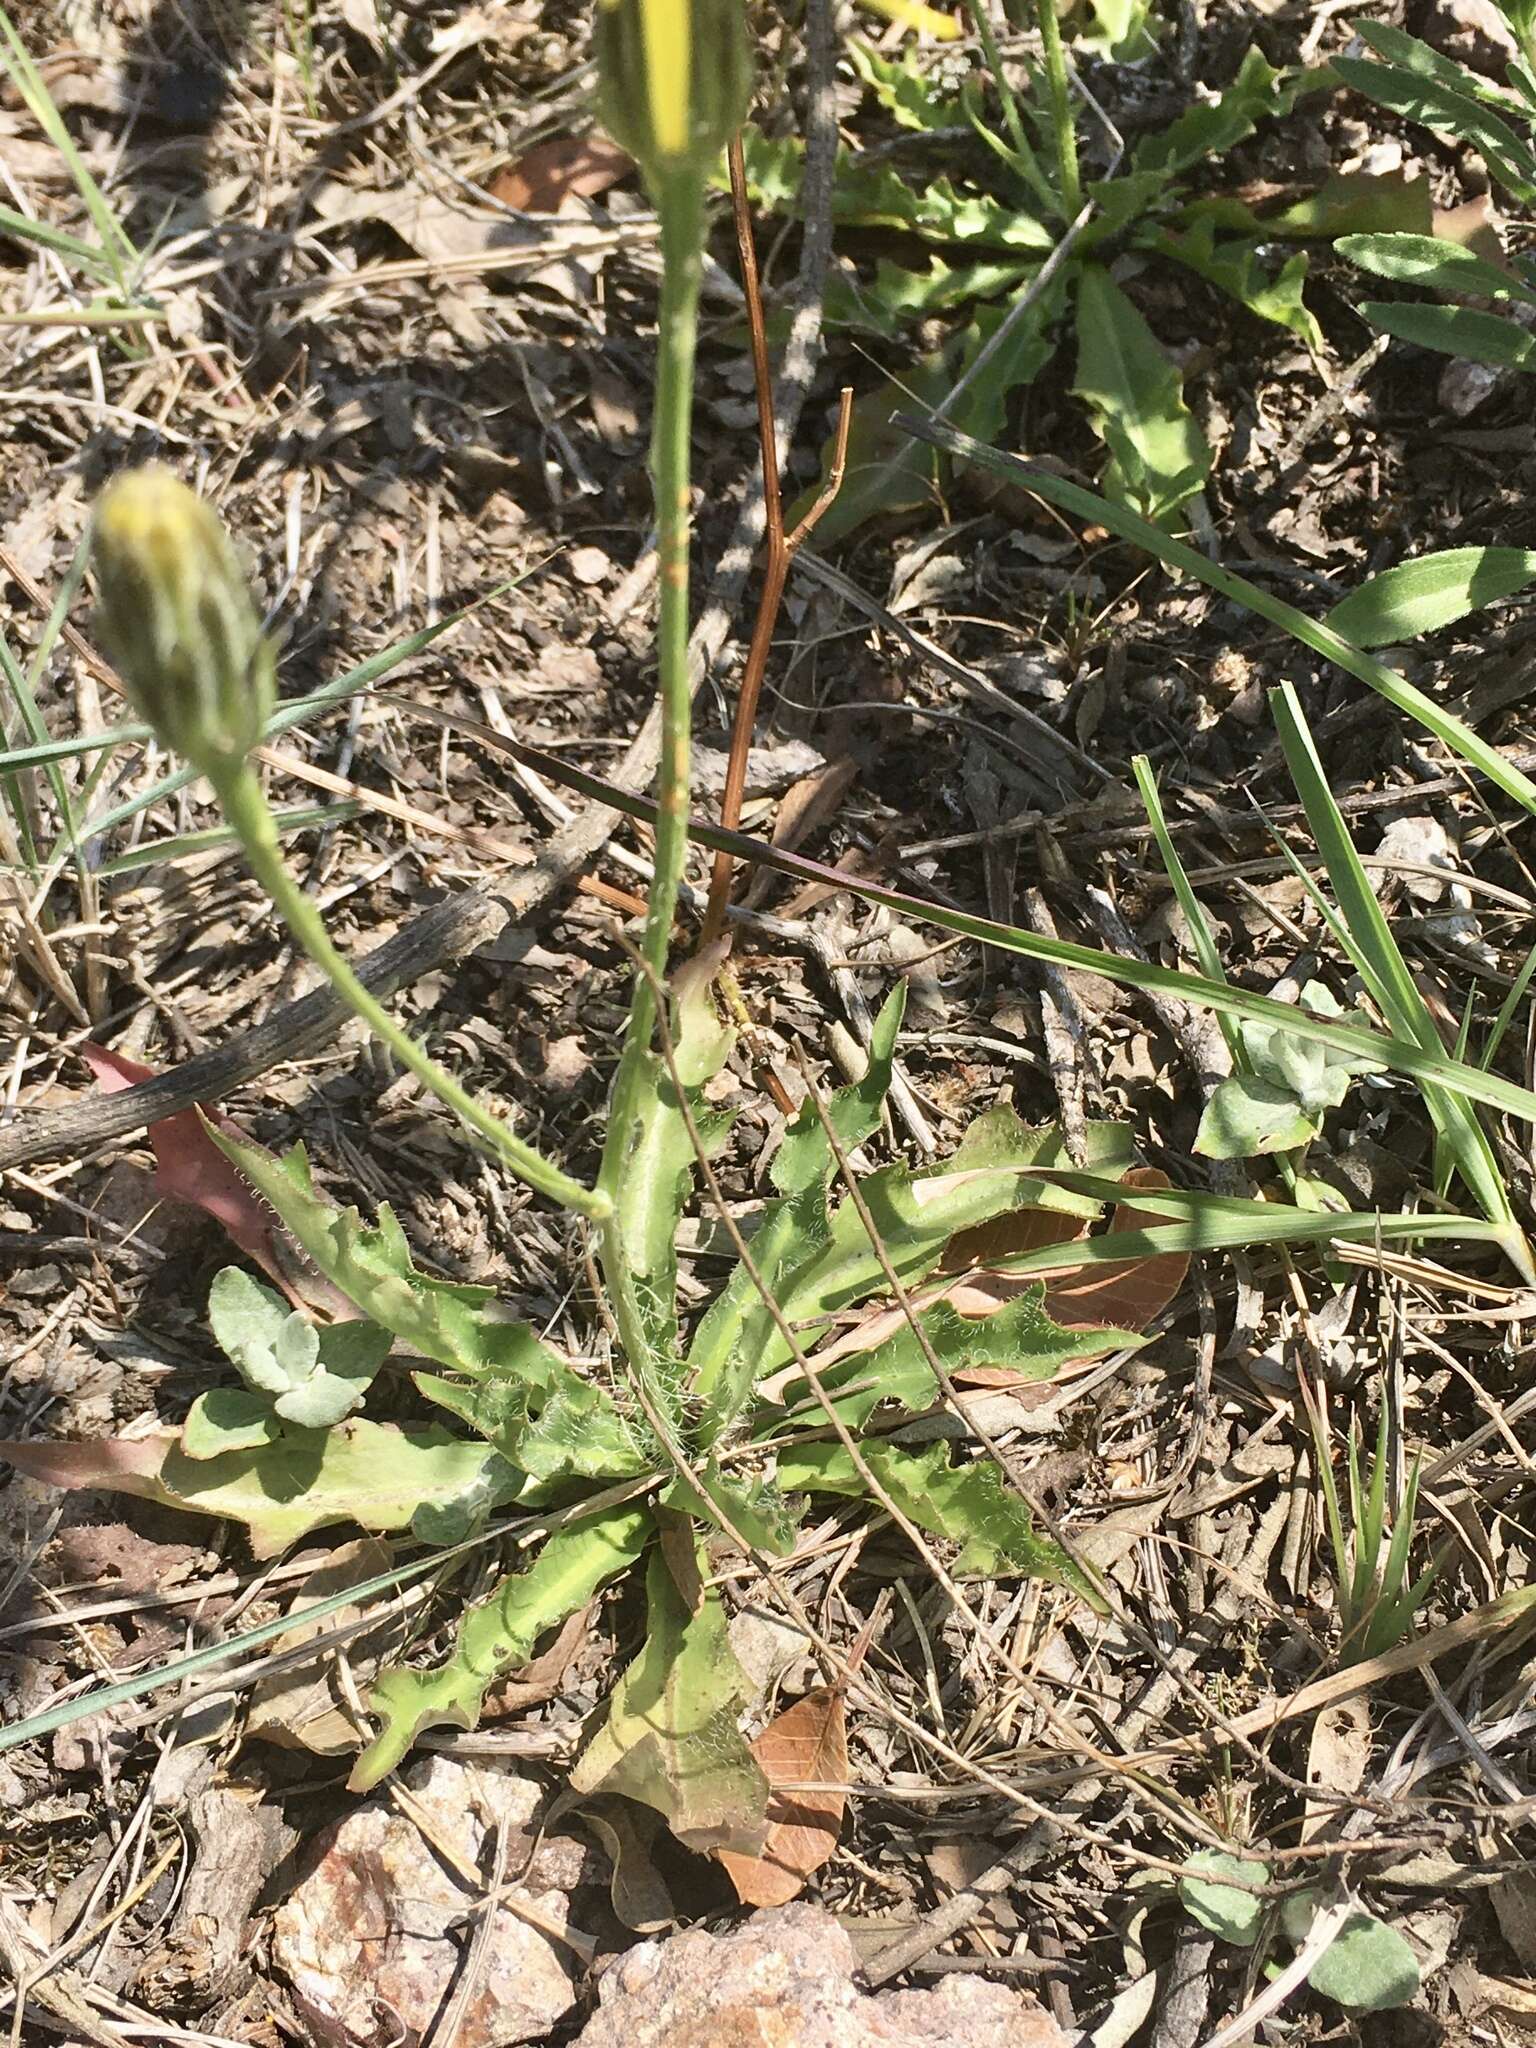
x=543 y=1678
x=1009 y=1237
x=1123 y=1295
x=806 y=1745
x=1338 y=1757
x=566 y=167
x=301 y=1708
x=190 y=1168
x=1126 y=1294
x=805 y=807
x=1472 y=225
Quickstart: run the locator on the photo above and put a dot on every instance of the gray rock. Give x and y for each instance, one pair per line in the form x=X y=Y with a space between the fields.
x=372 y=1940
x=785 y=1980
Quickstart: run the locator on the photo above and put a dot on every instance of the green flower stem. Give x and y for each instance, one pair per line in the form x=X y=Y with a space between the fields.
x=247 y=811
x=981 y=16
x=1063 y=129
x=680 y=205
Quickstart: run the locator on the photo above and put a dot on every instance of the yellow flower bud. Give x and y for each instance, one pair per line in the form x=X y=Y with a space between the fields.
x=675 y=78
x=176 y=616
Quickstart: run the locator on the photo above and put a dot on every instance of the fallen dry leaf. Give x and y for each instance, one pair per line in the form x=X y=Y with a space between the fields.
x=566 y=167
x=813 y=801
x=119 y=1464
x=805 y=1745
x=1338 y=1757
x=1473 y=225
x=190 y=1168
x=1126 y=1294
x=1009 y=1237
x=534 y=1683
x=297 y=1708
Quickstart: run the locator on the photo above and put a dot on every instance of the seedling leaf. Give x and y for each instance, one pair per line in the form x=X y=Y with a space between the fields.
x=1434 y=591
x=805 y=1156
x=1159 y=458
x=1457 y=331
x=1222 y=1909
x=1367 y=1967
x=1246 y=1118
x=1431 y=261
x=315 y=1376
x=228 y=1419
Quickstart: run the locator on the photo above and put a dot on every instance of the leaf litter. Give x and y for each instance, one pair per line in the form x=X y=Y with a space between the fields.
x=1224 y=1571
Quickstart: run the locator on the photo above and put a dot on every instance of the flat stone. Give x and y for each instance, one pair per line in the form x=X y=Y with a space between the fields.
x=785 y=1980
x=372 y=1940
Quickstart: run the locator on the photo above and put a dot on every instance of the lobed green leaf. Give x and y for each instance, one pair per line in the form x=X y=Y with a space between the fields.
x=967 y=1503
x=499 y=1634
x=672 y=1738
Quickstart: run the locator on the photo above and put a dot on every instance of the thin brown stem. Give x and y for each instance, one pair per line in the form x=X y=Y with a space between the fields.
x=776 y=567
x=779 y=549
x=762 y=373
x=834 y=482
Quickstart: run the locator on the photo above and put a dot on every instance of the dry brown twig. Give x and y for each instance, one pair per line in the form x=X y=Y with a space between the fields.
x=780 y=547
x=448 y=931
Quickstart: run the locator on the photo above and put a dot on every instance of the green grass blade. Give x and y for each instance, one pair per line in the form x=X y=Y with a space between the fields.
x=121 y=252
x=22 y=228
x=1203 y=939
x=187 y=845
x=1376 y=1497
x=22 y=684
x=1276 y=1223
x=1508 y=1007
x=1353 y=1597
x=16 y=760
x=1335 y=1518
x=1386 y=971
x=298 y=710
x=1391 y=983
x=1175 y=554
x=1400 y=1056
x=1394 y=1572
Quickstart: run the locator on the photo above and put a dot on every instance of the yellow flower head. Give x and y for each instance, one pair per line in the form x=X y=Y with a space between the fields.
x=177 y=618
x=675 y=77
